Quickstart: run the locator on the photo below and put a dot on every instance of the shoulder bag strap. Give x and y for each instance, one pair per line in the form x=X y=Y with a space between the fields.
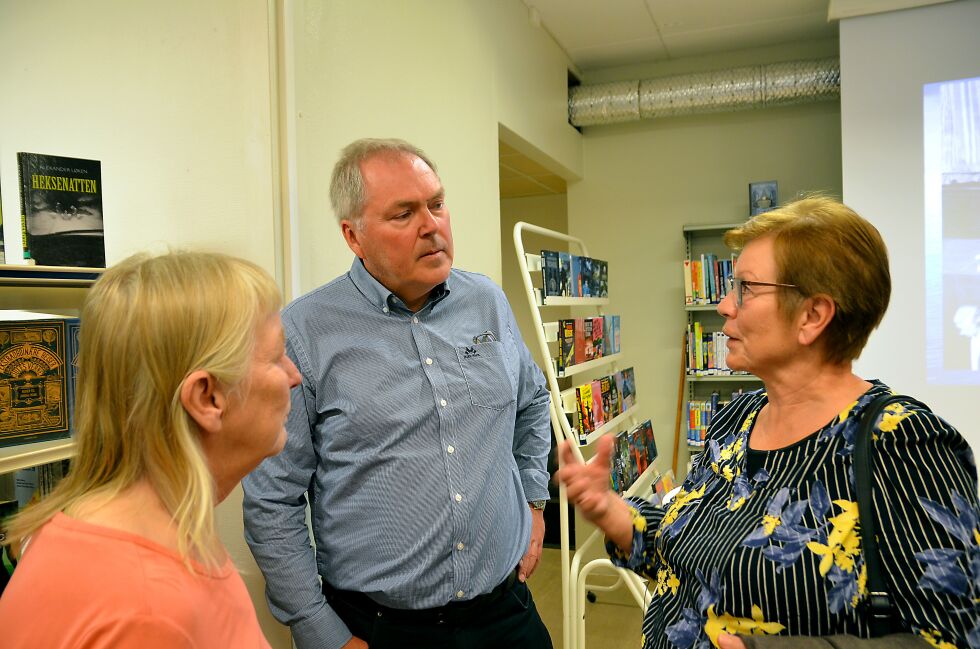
x=882 y=611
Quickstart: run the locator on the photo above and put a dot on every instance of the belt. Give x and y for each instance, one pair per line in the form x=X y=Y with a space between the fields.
x=439 y=615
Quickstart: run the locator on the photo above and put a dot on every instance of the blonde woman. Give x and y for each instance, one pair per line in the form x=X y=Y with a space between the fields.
x=183 y=388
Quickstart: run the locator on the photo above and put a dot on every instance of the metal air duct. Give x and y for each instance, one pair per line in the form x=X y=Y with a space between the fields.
x=758 y=86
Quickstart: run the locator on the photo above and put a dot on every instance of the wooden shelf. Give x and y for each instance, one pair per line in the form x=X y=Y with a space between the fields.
x=13 y=458
x=52 y=276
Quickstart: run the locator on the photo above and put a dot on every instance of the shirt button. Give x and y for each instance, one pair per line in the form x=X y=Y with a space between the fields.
x=385 y=309
x=442 y=403
x=428 y=361
x=450 y=449
x=460 y=546
x=415 y=320
x=459 y=498
x=459 y=594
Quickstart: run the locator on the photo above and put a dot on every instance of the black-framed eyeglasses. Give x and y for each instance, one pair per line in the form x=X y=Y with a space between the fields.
x=737 y=286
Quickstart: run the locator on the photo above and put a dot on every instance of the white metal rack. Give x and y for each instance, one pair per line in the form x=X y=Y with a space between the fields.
x=574 y=574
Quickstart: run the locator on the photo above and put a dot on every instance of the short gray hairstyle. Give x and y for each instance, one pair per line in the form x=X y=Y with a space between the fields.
x=347 y=184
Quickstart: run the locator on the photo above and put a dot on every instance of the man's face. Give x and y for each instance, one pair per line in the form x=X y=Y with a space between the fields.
x=404 y=236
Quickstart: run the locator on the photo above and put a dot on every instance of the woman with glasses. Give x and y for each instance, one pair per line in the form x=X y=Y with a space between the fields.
x=764 y=538
x=183 y=388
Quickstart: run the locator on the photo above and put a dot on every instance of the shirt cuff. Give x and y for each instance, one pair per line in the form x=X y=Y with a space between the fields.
x=535 y=483
x=324 y=630
x=637 y=556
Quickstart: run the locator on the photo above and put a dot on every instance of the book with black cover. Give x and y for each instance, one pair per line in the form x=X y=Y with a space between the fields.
x=61 y=206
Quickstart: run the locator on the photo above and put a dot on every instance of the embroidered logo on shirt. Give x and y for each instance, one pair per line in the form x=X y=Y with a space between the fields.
x=470 y=352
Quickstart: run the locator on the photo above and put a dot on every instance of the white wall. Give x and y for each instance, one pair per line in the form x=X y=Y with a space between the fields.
x=174 y=99
x=643 y=181
x=178 y=101
x=443 y=74
x=885 y=60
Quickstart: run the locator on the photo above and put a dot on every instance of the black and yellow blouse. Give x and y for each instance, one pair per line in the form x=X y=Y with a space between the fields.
x=769 y=542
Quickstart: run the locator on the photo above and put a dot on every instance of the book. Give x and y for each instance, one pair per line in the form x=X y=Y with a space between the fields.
x=629 y=389
x=566 y=344
x=610 y=331
x=596 y=282
x=598 y=416
x=649 y=441
x=586 y=421
x=549 y=272
x=606 y=388
x=580 y=341
x=73 y=327
x=585 y=277
x=598 y=342
x=34 y=375
x=61 y=208
x=576 y=276
x=564 y=274
x=589 y=350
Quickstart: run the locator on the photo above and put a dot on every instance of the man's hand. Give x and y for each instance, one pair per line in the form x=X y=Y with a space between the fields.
x=529 y=563
x=355 y=643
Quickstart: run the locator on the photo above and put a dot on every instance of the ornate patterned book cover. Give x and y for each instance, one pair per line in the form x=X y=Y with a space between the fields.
x=33 y=381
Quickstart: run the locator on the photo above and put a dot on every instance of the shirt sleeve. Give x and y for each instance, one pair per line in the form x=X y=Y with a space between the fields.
x=532 y=425
x=925 y=499
x=646 y=521
x=274 y=508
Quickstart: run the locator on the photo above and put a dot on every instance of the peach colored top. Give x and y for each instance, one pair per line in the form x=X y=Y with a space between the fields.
x=83 y=586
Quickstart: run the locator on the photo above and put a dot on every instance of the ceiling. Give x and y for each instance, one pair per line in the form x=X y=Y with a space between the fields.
x=606 y=33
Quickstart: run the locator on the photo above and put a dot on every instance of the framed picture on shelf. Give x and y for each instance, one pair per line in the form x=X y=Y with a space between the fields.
x=762 y=197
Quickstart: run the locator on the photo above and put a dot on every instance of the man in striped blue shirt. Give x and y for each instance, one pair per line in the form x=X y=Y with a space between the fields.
x=419 y=437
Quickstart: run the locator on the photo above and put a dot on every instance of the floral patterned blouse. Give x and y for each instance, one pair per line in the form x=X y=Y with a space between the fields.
x=779 y=551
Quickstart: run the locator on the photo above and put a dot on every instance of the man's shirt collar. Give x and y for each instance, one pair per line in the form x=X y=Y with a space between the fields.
x=379 y=296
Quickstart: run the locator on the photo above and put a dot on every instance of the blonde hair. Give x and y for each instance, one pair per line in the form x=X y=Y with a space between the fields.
x=823 y=246
x=147 y=323
x=347 y=183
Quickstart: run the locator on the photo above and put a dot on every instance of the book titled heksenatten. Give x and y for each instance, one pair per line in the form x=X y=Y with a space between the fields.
x=61 y=202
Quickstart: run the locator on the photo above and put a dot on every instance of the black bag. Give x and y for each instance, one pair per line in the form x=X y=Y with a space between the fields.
x=883 y=619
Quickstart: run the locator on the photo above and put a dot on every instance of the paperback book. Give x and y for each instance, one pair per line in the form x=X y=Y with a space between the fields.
x=61 y=206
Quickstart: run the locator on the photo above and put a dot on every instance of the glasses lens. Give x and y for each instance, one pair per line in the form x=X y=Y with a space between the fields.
x=735 y=286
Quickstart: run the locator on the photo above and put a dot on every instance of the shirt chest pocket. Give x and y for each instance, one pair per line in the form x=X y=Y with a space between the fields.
x=485 y=371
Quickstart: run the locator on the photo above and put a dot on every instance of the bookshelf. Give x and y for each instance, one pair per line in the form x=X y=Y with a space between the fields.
x=53 y=289
x=707 y=379
x=574 y=569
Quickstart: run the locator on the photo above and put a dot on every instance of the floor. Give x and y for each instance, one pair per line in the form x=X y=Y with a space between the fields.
x=612 y=622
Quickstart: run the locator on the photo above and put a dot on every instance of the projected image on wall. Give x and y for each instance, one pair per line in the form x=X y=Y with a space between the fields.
x=951 y=121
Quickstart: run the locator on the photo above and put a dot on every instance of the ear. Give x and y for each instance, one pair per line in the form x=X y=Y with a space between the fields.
x=815 y=316
x=351 y=232
x=203 y=400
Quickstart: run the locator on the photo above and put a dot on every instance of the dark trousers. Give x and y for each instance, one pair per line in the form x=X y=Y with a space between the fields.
x=505 y=618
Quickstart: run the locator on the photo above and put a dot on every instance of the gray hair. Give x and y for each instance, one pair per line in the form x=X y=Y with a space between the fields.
x=346 y=182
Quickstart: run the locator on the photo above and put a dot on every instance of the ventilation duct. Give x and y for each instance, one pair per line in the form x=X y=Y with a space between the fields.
x=758 y=86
